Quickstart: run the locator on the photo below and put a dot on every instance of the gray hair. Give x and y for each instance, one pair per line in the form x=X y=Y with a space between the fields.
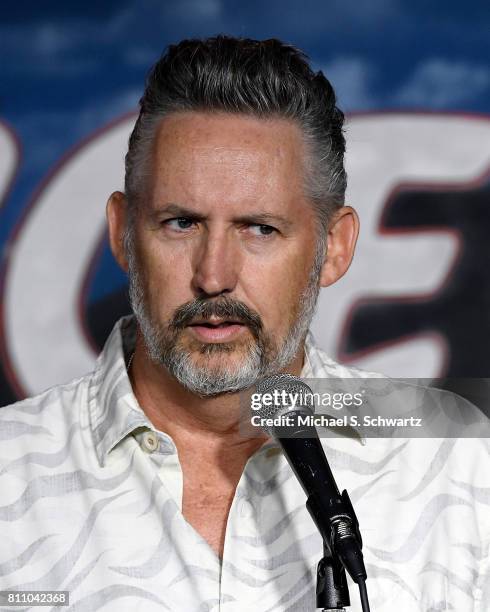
x=260 y=78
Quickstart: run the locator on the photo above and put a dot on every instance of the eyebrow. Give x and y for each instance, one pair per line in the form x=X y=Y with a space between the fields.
x=177 y=210
x=263 y=218
x=259 y=217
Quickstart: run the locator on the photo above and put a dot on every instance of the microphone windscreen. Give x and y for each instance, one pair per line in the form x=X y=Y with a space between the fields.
x=283 y=394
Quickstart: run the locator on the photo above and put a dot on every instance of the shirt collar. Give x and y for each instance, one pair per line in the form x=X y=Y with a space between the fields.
x=317 y=364
x=113 y=408
x=115 y=411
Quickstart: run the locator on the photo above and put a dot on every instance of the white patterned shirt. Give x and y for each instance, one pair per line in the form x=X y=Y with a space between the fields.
x=91 y=498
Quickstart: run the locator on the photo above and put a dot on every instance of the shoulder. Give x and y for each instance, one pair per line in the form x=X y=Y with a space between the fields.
x=37 y=423
x=318 y=364
x=49 y=399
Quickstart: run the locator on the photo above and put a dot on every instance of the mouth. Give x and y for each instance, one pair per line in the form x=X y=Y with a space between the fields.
x=217 y=330
x=214 y=322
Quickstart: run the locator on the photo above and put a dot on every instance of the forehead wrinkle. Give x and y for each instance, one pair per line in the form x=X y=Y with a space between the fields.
x=238 y=148
x=252 y=165
x=223 y=181
x=225 y=159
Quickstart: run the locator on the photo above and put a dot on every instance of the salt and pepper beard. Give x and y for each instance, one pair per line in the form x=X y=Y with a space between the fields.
x=264 y=356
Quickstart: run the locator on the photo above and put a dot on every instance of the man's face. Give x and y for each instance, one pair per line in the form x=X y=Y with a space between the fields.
x=223 y=260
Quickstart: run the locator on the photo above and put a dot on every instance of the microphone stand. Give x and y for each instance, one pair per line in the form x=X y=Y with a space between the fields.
x=334 y=518
x=332 y=591
x=331 y=511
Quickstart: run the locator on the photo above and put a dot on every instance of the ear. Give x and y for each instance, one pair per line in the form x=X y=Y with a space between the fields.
x=117 y=219
x=342 y=233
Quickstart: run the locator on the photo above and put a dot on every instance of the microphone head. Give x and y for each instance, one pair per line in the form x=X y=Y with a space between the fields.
x=290 y=394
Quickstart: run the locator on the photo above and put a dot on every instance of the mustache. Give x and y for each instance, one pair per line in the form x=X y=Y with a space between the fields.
x=223 y=308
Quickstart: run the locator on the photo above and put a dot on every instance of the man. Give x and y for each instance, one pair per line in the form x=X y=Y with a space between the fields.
x=133 y=487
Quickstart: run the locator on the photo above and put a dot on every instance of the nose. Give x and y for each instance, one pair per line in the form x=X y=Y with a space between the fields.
x=215 y=269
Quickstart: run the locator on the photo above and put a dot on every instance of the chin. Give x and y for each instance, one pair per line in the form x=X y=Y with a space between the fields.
x=221 y=356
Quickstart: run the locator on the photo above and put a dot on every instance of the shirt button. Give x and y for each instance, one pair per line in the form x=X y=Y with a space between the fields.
x=150 y=441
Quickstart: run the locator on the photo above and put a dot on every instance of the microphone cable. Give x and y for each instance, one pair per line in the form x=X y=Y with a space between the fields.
x=364 y=596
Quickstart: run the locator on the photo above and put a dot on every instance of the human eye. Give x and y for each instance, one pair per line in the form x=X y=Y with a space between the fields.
x=179 y=224
x=261 y=230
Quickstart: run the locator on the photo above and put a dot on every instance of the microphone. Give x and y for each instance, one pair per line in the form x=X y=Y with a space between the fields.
x=331 y=511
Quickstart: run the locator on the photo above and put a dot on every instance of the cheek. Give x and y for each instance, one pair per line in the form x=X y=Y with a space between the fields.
x=167 y=281
x=275 y=292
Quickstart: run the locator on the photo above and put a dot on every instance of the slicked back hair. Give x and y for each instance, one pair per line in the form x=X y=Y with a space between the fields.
x=264 y=79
